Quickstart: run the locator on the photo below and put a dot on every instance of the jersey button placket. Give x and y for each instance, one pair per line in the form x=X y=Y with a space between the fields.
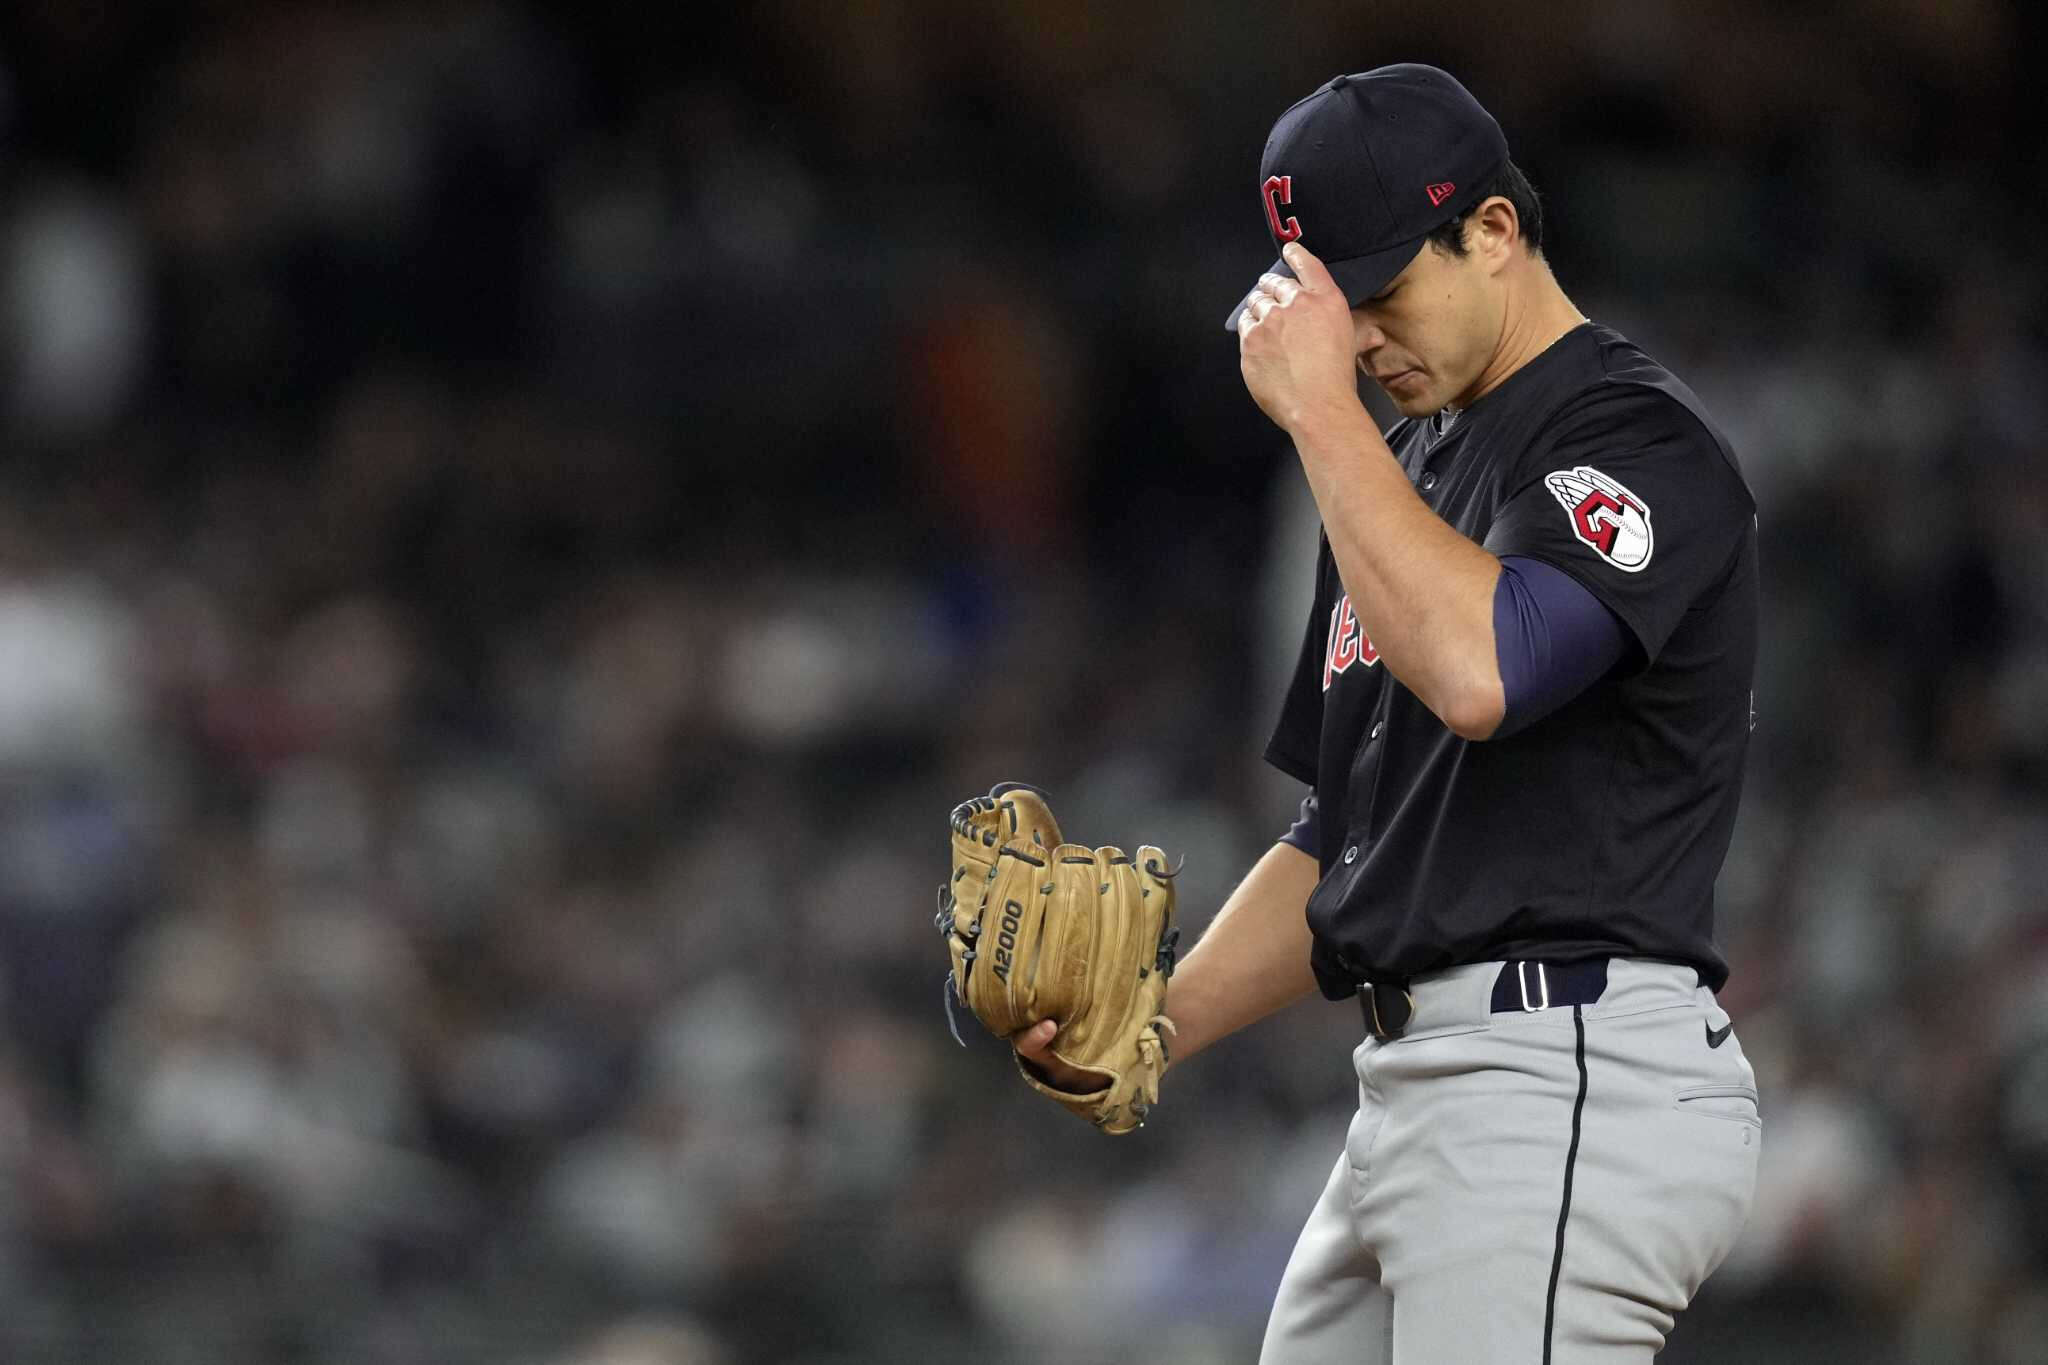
x=1428 y=480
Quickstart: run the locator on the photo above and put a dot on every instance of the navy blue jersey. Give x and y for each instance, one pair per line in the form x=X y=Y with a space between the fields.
x=1600 y=828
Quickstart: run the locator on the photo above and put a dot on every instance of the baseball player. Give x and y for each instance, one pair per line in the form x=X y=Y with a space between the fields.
x=1522 y=705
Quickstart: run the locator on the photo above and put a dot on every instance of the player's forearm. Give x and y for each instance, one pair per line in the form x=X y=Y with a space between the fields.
x=1253 y=958
x=1423 y=592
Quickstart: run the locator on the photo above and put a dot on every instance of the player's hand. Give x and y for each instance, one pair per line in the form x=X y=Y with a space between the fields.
x=1295 y=342
x=1034 y=1045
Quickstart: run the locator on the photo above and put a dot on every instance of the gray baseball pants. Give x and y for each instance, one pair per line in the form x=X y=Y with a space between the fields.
x=1527 y=1187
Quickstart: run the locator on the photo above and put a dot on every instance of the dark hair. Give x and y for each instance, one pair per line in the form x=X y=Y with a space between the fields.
x=1510 y=184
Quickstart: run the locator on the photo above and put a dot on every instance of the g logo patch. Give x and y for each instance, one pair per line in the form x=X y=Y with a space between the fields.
x=1605 y=516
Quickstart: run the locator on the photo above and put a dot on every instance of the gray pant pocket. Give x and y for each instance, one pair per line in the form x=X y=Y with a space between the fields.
x=1735 y=1102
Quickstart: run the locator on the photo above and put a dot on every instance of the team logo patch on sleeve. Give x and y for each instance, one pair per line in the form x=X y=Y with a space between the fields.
x=1605 y=515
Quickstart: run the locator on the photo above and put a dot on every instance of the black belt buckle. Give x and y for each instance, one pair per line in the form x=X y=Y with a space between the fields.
x=1387 y=1008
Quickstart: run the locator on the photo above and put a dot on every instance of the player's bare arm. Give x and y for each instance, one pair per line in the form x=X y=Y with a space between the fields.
x=1252 y=961
x=1424 y=592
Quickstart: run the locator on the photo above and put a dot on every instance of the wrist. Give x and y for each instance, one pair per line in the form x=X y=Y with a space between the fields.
x=1192 y=1030
x=1327 y=421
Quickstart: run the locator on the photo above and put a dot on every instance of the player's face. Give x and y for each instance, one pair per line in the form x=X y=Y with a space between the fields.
x=1426 y=337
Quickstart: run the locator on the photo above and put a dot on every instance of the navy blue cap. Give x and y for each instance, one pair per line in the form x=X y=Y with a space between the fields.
x=1369 y=165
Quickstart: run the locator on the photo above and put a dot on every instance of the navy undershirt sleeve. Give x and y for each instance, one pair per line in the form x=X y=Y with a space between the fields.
x=1552 y=638
x=1306 y=833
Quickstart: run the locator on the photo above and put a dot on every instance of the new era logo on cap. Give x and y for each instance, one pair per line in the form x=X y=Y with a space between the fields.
x=1341 y=168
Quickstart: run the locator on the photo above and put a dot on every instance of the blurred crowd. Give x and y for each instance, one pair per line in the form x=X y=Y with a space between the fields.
x=515 y=527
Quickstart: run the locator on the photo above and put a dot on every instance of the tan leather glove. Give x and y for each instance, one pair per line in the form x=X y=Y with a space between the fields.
x=1038 y=928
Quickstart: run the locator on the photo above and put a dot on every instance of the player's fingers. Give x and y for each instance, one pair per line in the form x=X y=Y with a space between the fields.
x=1034 y=1045
x=1261 y=305
x=1307 y=269
x=1279 y=286
x=1033 y=1041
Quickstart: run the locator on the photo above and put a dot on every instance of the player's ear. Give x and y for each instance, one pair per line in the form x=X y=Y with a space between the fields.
x=1492 y=232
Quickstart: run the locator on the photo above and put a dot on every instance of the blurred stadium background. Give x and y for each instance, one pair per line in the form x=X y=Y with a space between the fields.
x=516 y=523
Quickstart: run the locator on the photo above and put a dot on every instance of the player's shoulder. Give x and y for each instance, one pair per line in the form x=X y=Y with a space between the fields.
x=1630 y=377
x=1623 y=399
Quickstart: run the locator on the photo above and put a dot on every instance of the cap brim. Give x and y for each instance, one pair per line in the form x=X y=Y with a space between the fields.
x=1360 y=277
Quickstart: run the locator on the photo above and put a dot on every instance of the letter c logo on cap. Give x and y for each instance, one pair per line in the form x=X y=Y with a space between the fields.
x=1278 y=190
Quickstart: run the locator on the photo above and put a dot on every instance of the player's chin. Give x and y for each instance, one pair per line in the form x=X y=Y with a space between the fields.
x=1410 y=403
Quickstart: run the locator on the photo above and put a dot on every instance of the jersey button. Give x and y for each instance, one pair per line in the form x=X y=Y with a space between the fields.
x=1428 y=479
x=1376 y=729
x=1351 y=854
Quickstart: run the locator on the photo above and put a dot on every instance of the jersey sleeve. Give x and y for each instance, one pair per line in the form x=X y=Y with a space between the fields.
x=1297 y=738
x=1630 y=493
x=1306 y=833
x=1552 y=640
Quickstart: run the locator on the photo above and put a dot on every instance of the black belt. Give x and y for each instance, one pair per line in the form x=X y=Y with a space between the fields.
x=1521 y=985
